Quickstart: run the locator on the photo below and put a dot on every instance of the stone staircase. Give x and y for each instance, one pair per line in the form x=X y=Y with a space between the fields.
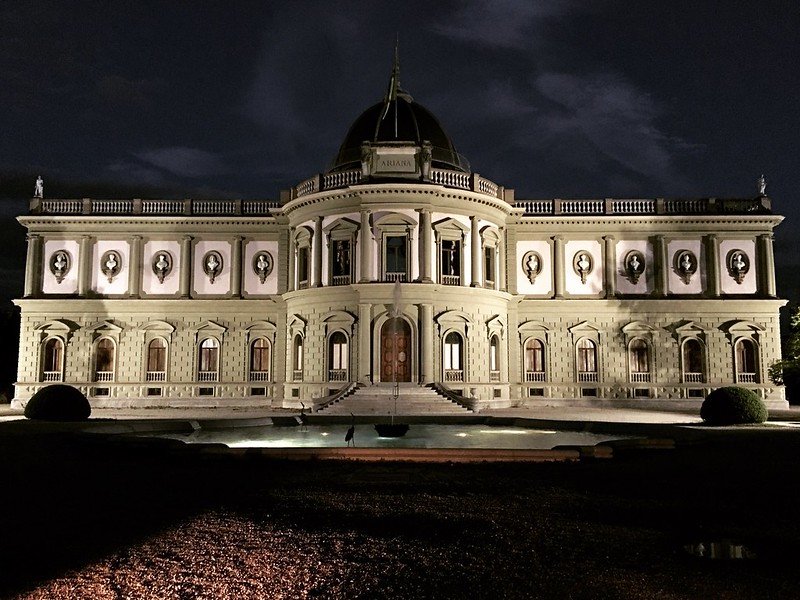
x=378 y=399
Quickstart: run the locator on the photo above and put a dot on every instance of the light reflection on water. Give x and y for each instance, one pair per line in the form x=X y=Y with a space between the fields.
x=418 y=436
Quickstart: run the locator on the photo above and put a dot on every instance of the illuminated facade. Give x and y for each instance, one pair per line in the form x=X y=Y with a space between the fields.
x=399 y=263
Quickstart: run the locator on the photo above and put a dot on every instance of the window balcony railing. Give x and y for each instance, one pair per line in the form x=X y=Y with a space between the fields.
x=297 y=375
x=587 y=377
x=337 y=374
x=104 y=376
x=453 y=375
x=341 y=280
x=51 y=376
x=392 y=276
x=451 y=280
x=747 y=378
x=207 y=376
x=534 y=376
x=640 y=377
x=259 y=375
x=694 y=378
x=494 y=376
x=156 y=376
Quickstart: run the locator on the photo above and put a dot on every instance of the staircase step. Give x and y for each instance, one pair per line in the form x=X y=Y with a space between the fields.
x=378 y=399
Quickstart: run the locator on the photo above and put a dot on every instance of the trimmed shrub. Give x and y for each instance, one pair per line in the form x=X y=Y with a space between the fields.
x=733 y=406
x=58 y=402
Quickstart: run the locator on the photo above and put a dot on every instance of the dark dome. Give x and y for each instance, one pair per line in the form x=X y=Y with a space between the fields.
x=415 y=124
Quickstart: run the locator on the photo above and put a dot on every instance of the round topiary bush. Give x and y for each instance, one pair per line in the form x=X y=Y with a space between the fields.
x=733 y=406
x=58 y=402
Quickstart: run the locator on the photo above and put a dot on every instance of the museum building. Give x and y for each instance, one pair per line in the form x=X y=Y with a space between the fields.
x=399 y=264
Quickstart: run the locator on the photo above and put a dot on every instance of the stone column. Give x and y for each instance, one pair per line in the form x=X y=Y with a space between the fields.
x=317 y=252
x=33 y=265
x=712 y=265
x=365 y=240
x=292 y=251
x=426 y=324
x=501 y=261
x=364 y=333
x=186 y=267
x=236 y=267
x=85 y=265
x=610 y=262
x=135 y=266
x=661 y=266
x=766 y=266
x=425 y=245
x=475 y=251
x=559 y=280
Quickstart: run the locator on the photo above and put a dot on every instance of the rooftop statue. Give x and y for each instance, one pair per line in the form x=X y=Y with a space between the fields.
x=38 y=191
x=762 y=185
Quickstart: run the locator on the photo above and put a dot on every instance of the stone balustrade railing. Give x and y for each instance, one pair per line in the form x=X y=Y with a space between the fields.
x=646 y=206
x=445 y=177
x=89 y=206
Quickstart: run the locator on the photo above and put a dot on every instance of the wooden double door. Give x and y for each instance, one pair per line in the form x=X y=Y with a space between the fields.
x=396 y=350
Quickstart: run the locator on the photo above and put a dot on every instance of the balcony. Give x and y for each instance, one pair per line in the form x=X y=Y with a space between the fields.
x=640 y=377
x=207 y=376
x=337 y=374
x=587 y=377
x=535 y=376
x=694 y=378
x=392 y=276
x=451 y=280
x=104 y=376
x=49 y=376
x=156 y=376
x=453 y=375
x=747 y=378
x=341 y=280
x=494 y=376
x=259 y=375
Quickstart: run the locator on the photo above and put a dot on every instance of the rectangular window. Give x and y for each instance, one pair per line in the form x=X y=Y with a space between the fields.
x=535 y=391
x=488 y=266
x=589 y=392
x=302 y=267
x=205 y=391
x=340 y=262
x=451 y=262
x=396 y=258
x=696 y=393
x=100 y=391
x=153 y=391
x=258 y=391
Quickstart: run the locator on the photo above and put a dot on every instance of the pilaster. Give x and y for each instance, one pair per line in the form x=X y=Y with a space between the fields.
x=426 y=324
x=365 y=239
x=236 y=267
x=317 y=252
x=610 y=261
x=185 y=286
x=85 y=265
x=135 y=266
x=33 y=266
x=558 y=265
x=475 y=251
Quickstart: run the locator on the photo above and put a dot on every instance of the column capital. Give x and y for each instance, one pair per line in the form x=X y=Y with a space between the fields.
x=557 y=238
x=32 y=236
x=609 y=238
x=186 y=238
x=134 y=238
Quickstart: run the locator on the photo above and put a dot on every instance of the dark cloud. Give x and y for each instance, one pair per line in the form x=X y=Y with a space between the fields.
x=185 y=162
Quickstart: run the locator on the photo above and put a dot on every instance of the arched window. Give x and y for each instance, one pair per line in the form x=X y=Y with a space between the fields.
x=587 y=361
x=208 y=360
x=104 y=355
x=297 y=358
x=534 y=360
x=746 y=362
x=494 y=356
x=694 y=364
x=639 y=359
x=260 y=359
x=452 y=357
x=156 y=360
x=337 y=357
x=53 y=360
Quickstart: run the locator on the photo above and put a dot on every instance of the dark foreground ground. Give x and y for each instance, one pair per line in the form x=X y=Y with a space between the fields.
x=82 y=519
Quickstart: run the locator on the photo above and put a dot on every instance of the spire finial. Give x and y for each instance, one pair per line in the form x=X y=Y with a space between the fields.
x=396 y=67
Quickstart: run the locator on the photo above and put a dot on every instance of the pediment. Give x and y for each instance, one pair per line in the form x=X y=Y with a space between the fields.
x=451 y=225
x=635 y=327
x=339 y=316
x=57 y=326
x=689 y=328
x=496 y=325
x=342 y=224
x=104 y=327
x=584 y=327
x=741 y=327
x=452 y=316
x=394 y=218
x=261 y=327
x=160 y=326
x=211 y=327
x=532 y=327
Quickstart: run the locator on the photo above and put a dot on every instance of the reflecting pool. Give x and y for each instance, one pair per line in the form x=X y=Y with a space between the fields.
x=418 y=436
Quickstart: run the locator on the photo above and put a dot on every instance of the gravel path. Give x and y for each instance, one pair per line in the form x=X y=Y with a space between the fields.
x=84 y=520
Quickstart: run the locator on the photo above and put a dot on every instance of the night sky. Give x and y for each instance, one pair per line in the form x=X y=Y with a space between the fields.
x=553 y=99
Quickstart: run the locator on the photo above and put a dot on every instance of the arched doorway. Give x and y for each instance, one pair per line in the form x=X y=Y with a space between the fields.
x=395 y=350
